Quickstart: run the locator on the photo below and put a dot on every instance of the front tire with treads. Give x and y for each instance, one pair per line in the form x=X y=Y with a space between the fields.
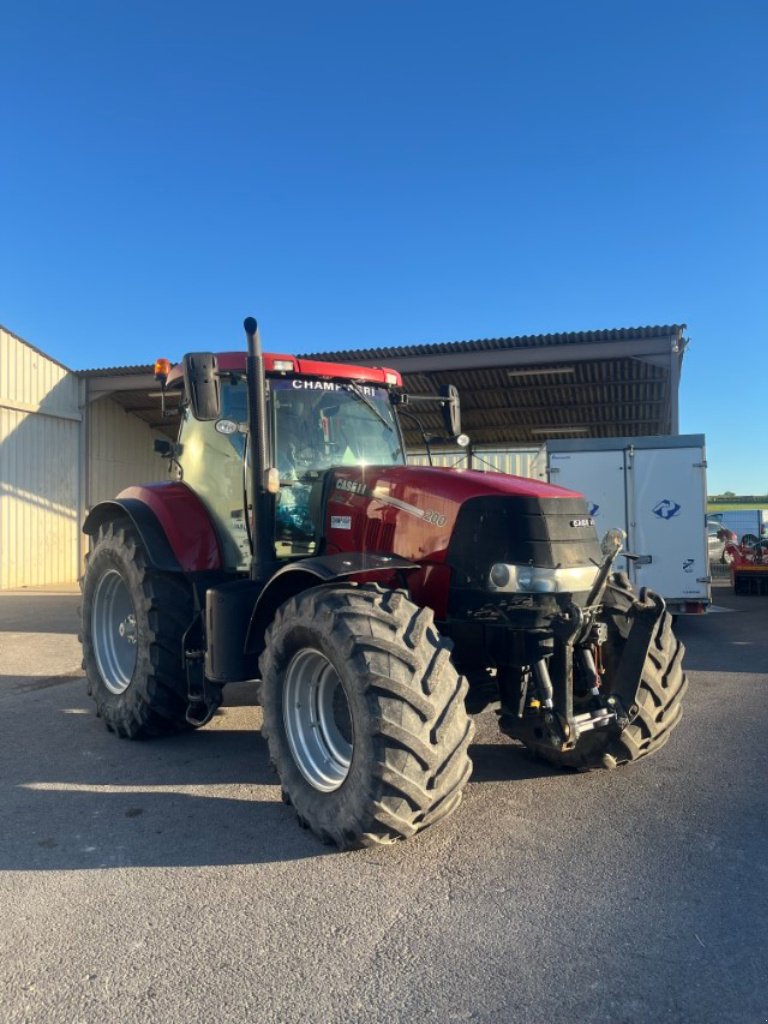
x=364 y=714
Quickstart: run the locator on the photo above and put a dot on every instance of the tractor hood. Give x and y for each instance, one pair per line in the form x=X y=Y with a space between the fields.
x=456 y=524
x=412 y=511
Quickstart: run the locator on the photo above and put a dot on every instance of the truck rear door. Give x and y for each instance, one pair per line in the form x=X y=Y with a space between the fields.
x=599 y=476
x=667 y=513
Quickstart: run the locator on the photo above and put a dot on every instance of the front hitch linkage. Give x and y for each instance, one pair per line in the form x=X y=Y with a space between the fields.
x=573 y=632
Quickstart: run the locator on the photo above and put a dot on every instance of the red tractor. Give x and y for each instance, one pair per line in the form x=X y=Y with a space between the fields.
x=376 y=603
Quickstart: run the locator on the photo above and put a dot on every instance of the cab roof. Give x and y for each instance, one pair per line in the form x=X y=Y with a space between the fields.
x=277 y=365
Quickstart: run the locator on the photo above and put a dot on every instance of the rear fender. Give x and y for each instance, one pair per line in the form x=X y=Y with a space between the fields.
x=173 y=524
x=295 y=577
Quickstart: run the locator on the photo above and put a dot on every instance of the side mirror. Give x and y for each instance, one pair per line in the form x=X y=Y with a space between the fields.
x=201 y=383
x=450 y=408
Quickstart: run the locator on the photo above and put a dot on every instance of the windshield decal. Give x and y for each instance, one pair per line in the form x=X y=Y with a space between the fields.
x=312 y=384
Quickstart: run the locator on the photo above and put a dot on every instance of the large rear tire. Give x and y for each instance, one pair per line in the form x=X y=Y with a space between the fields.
x=659 y=697
x=133 y=624
x=364 y=715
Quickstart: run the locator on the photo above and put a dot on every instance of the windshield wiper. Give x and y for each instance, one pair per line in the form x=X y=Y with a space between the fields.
x=354 y=389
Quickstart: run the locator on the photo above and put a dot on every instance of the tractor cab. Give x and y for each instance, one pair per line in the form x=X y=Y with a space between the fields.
x=314 y=423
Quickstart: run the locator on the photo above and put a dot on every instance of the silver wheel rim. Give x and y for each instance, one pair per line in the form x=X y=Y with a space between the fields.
x=317 y=720
x=114 y=630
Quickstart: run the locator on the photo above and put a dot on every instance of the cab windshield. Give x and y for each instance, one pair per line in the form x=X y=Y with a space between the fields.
x=317 y=425
x=314 y=425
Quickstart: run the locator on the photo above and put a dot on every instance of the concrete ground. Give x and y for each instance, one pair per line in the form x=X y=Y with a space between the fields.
x=166 y=882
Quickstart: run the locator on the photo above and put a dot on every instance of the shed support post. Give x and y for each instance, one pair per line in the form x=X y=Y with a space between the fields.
x=83 y=475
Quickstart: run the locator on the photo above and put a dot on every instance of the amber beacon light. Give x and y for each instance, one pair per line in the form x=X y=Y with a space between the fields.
x=162 y=369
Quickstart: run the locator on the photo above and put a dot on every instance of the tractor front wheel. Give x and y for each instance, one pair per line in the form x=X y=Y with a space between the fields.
x=133 y=624
x=364 y=715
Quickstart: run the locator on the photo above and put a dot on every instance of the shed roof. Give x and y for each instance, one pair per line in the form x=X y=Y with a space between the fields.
x=522 y=390
x=504 y=344
x=514 y=391
x=34 y=348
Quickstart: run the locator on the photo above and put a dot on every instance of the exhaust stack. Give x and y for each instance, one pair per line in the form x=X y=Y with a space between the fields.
x=263 y=554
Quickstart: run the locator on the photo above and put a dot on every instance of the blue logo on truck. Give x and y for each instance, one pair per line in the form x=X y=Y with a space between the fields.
x=666 y=509
x=594 y=509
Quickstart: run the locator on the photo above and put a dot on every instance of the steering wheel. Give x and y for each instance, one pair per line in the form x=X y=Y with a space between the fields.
x=309 y=456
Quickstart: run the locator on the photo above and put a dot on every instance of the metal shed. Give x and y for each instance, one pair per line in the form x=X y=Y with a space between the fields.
x=40 y=437
x=120 y=436
x=63 y=446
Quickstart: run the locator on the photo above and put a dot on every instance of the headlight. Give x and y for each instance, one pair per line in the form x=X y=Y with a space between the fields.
x=532 y=579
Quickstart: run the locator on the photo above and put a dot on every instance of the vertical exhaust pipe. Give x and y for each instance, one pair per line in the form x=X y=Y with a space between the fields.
x=263 y=555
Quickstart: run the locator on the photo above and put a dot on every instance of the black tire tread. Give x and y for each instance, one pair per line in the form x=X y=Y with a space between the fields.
x=415 y=706
x=155 y=702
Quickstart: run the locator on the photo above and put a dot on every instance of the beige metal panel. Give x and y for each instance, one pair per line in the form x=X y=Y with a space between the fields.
x=38 y=498
x=31 y=382
x=119 y=451
x=517 y=462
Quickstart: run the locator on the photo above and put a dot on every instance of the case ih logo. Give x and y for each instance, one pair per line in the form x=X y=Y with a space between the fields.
x=353 y=486
x=666 y=509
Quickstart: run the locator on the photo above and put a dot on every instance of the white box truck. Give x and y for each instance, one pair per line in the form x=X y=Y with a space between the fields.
x=655 y=489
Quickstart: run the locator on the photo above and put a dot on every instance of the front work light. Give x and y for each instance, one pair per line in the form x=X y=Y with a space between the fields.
x=533 y=579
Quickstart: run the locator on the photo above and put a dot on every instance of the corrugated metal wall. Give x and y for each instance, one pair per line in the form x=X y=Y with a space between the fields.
x=39 y=448
x=516 y=461
x=119 y=451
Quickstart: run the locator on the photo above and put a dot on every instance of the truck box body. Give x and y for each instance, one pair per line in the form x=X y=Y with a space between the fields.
x=653 y=488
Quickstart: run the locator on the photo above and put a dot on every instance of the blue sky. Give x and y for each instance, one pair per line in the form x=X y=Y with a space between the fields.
x=369 y=173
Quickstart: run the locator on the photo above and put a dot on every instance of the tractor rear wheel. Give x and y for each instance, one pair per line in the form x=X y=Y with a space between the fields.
x=133 y=624
x=364 y=715
x=659 y=697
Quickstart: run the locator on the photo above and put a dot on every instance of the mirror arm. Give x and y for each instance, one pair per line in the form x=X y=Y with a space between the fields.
x=425 y=438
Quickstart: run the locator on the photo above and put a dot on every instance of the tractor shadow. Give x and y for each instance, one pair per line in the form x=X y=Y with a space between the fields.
x=497 y=758
x=75 y=797
x=508 y=762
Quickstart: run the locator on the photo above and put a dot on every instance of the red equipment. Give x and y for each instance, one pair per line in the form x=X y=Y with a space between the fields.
x=749 y=565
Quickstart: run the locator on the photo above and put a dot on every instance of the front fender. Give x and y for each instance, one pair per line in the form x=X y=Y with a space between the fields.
x=294 y=577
